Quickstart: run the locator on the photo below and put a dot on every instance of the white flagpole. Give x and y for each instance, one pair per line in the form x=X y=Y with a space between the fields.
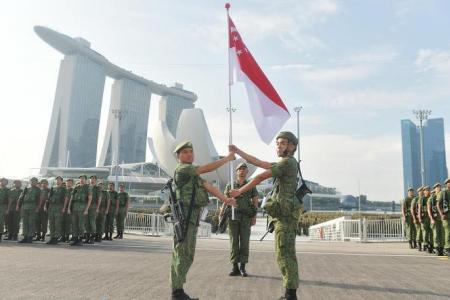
x=230 y=108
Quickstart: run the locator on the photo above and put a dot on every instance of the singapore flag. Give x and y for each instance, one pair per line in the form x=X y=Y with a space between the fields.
x=268 y=110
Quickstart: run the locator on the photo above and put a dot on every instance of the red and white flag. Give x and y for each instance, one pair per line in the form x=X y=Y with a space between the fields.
x=268 y=110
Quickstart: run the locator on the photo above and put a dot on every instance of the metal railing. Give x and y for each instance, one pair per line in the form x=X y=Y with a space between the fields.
x=155 y=225
x=363 y=230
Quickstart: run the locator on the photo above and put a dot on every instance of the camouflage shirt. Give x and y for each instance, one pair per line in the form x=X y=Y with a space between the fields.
x=112 y=195
x=244 y=201
x=443 y=199
x=32 y=198
x=80 y=196
x=123 y=199
x=58 y=196
x=94 y=190
x=4 y=196
x=14 y=195
x=407 y=205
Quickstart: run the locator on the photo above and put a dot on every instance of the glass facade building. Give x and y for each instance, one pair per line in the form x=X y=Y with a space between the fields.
x=434 y=153
x=74 y=125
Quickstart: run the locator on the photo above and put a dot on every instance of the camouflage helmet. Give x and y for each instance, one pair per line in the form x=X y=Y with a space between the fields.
x=289 y=136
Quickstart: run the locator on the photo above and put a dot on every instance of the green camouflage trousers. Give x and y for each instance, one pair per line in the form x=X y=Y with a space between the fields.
x=55 y=217
x=419 y=236
x=90 y=221
x=28 y=222
x=41 y=222
x=13 y=222
x=78 y=219
x=239 y=232
x=66 y=224
x=2 y=217
x=182 y=258
x=100 y=223
x=426 y=232
x=109 y=223
x=438 y=233
x=120 y=220
x=410 y=229
x=446 y=225
x=285 y=233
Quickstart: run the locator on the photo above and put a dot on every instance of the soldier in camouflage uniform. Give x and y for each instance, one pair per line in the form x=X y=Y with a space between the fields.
x=13 y=214
x=101 y=216
x=112 y=211
x=90 y=220
x=42 y=216
x=407 y=220
x=66 y=222
x=283 y=206
x=414 y=214
x=192 y=190
x=29 y=202
x=244 y=217
x=436 y=222
x=4 y=199
x=425 y=220
x=55 y=207
x=123 y=200
x=443 y=205
x=81 y=199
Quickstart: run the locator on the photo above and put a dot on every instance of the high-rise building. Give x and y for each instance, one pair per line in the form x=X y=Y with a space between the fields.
x=73 y=133
x=434 y=153
x=171 y=107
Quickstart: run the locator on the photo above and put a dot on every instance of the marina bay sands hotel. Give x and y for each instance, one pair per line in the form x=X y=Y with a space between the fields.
x=74 y=126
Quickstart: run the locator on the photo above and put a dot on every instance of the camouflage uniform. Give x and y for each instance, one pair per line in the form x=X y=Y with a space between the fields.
x=418 y=227
x=425 y=225
x=80 y=196
x=66 y=219
x=29 y=205
x=109 y=226
x=239 y=229
x=90 y=219
x=123 y=199
x=14 y=215
x=186 y=178
x=284 y=208
x=438 y=230
x=55 y=207
x=42 y=216
x=4 y=198
x=443 y=200
x=101 y=216
x=409 y=225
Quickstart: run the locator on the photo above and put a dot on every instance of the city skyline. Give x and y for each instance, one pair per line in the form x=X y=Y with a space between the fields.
x=356 y=68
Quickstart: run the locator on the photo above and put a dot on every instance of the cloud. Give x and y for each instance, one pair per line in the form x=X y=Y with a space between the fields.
x=433 y=61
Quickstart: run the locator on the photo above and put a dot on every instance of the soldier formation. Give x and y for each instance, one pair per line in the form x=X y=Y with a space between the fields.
x=426 y=218
x=80 y=213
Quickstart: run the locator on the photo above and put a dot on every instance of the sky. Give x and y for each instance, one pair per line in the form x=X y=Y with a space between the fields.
x=356 y=67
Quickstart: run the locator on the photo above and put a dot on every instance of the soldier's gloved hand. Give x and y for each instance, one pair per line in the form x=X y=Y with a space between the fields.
x=234 y=193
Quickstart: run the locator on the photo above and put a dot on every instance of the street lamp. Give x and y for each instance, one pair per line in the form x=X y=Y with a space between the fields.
x=118 y=115
x=421 y=115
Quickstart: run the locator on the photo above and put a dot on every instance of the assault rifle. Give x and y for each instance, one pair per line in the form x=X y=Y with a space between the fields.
x=176 y=216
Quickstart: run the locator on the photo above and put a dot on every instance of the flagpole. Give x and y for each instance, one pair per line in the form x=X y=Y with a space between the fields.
x=230 y=108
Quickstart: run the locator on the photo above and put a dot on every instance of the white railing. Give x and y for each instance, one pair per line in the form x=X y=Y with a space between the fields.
x=344 y=229
x=155 y=225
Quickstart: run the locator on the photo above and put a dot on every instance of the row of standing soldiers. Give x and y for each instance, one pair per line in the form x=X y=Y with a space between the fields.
x=73 y=212
x=426 y=217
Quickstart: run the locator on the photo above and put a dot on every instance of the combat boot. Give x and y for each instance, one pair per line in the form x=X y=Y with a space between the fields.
x=242 y=269
x=121 y=234
x=105 y=237
x=22 y=241
x=117 y=235
x=91 y=239
x=430 y=249
x=235 y=271
x=87 y=238
x=77 y=242
x=290 y=294
x=43 y=237
x=110 y=236
x=411 y=245
x=15 y=237
x=419 y=247
x=37 y=237
x=415 y=244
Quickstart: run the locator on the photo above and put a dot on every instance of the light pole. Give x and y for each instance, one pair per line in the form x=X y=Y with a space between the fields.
x=118 y=115
x=421 y=115
x=297 y=109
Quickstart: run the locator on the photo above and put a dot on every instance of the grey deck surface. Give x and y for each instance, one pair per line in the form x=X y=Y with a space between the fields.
x=137 y=267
